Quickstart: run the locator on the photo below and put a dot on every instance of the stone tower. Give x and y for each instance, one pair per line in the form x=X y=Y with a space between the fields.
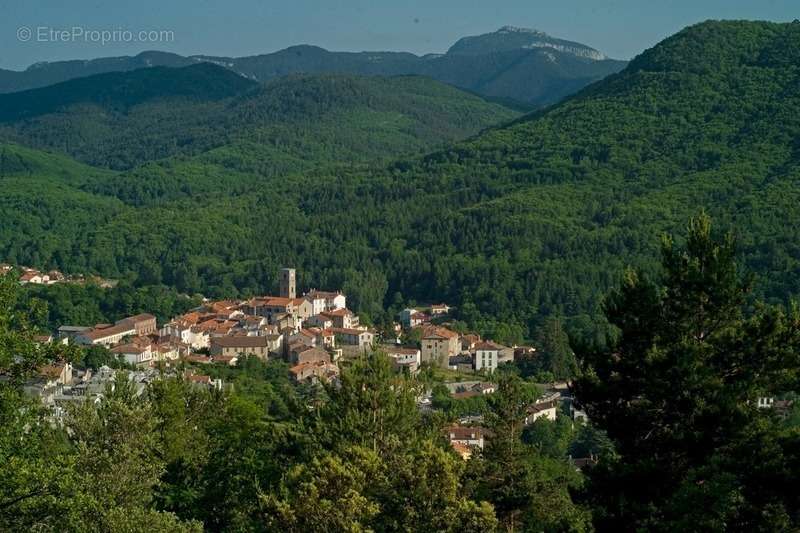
x=288 y=283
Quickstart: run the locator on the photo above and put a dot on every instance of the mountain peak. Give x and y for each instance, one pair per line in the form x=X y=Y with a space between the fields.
x=510 y=38
x=517 y=29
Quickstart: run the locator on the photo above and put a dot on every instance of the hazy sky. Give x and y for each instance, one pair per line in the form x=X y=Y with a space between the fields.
x=619 y=28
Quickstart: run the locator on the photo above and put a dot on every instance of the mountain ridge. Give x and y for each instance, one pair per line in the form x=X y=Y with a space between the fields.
x=537 y=76
x=123 y=119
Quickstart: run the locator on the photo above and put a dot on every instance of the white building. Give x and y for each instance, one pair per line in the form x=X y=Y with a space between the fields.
x=404 y=357
x=325 y=301
x=106 y=335
x=547 y=410
x=134 y=354
x=487 y=356
x=185 y=333
x=467 y=436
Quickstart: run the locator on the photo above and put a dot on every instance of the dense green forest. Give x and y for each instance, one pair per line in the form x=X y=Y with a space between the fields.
x=673 y=397
x=123 y=119
x=517 y=224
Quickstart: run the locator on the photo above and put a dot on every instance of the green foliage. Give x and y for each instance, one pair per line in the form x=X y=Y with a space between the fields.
x=456 y=408
x=515 y=226
x=552 y=438
x=124 y=119
x=529 y=491
x=589 y=441
x=373 y=407
x=526 y=221
x=677 y=392
x=87 y=305
x=554 y=359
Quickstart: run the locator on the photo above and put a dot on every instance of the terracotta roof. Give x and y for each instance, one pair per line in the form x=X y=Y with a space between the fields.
x=319 y=366
x=338 y=312
x=440 y=332
x=278 y=301
x=488 y=345
x=465 y=433
x=129 y=348
x=109 y=331
x=240 y=342
x=544 y=406
x=223 y=305
x=138 y=318
x=317 y=353
x=323 y=294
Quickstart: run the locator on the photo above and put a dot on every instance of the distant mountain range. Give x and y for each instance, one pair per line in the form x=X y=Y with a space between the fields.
x=516 y=64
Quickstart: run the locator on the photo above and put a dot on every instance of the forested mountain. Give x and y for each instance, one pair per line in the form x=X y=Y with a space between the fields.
x=521 y=222
x=49 y=73
x=120 y=91
x=511 y=63
x=122 y=119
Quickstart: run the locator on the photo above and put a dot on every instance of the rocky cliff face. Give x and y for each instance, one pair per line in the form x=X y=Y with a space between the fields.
x=513 y=38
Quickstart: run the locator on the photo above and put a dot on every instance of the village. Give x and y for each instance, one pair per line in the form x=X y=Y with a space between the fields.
x=314 y=332
x=32 y=276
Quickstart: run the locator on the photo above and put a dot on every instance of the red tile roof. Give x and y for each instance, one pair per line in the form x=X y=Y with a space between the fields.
x=338 y=312
x=465 y=433
x=487 y=346
x=240 y=342
x=440 y=332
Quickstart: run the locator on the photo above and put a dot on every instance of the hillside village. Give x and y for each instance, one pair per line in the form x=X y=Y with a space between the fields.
x=33 y=276
x=314 y=332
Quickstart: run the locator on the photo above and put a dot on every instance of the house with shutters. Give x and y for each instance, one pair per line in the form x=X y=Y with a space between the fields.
x=473 y=437
x=134 y=353
x=487 y=356
x=362 y=338
x=341 y=318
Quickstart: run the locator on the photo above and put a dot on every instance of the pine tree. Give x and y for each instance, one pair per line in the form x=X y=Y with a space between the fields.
x=677 y=389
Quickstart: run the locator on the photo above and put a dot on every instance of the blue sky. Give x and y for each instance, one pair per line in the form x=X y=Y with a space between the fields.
x=619 y=28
